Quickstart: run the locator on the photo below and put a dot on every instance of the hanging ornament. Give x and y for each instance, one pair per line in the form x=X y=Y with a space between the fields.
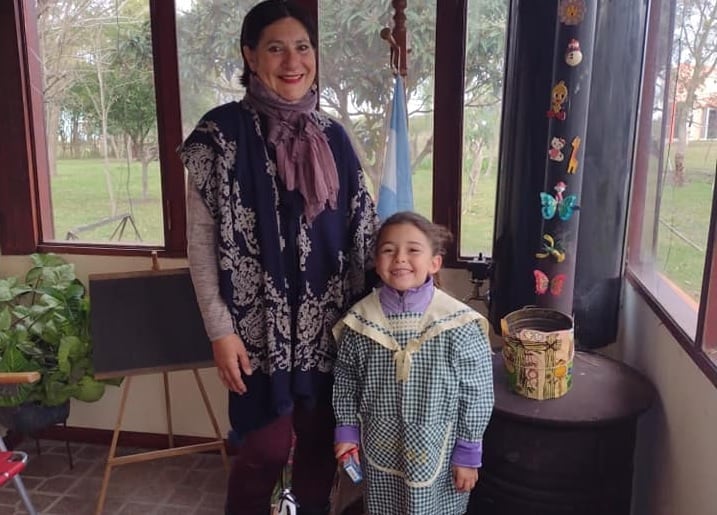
x=573 y=161
x=551 y=248
x=573 y=55
x=544 y=285
x=571 y=12
x=555 y=152
x=558 y=96
x=563 y=206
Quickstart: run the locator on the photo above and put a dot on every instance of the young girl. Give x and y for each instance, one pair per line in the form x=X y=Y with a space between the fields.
x=413 y=379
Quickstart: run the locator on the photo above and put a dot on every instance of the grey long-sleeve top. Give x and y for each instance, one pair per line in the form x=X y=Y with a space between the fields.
x=202 y=255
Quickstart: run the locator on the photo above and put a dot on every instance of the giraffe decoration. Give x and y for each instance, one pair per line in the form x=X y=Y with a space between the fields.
x=573 y=161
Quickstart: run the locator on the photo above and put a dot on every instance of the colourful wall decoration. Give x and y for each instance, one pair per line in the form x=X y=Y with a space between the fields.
x=567 y=141
x=567 y=122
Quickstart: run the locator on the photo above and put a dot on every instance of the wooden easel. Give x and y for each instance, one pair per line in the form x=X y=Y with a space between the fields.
x=114 y=461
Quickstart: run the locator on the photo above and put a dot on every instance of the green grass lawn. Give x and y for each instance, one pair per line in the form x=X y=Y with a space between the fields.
x=477 y=213
x=79 y=198
x=684 y=220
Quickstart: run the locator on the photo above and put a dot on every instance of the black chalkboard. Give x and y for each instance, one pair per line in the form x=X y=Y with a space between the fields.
x=145 y=322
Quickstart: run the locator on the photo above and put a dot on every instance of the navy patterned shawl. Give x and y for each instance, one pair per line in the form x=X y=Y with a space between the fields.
x=286 y=282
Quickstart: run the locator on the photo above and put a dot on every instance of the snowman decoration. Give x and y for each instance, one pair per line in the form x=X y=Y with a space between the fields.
x=573 y=55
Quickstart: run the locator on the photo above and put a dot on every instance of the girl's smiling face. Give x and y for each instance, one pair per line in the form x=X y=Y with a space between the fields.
x=284 y=59
x=405 y=257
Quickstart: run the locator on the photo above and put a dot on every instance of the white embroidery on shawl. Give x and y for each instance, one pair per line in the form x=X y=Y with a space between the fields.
x=266 y=323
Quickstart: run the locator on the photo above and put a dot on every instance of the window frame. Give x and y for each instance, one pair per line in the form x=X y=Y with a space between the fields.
x=668 y=302
x=25 y=190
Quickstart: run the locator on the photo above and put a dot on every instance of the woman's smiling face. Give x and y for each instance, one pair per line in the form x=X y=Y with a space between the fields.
x=284 y=59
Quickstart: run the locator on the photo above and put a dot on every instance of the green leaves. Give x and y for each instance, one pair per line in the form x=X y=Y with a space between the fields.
x=44 y=326
x=89 y=390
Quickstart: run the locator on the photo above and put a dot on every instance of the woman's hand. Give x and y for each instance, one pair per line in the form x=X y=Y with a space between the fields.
x=342 y=448
x=229 y=355
x=464 y=478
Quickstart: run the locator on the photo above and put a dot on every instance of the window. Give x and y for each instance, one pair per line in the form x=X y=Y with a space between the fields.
x=98 y=182
x=439 y=34
x=711 y=122
x=349 y=45
x=484 y=64
x=100 y=122
x=210 y=61
x=95 y=137
x=672 y=228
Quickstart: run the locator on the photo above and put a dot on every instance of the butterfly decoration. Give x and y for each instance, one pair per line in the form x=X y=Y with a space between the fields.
x=551 y=248
x=564 y=206
x=544 y=285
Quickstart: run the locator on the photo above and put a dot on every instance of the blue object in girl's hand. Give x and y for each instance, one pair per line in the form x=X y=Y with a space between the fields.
x=351 y=465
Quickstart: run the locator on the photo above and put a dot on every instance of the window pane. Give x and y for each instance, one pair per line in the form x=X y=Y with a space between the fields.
x=710 y=117
x=679 y=171
x=209 y=54
x=100 y=118
x=485 y=51
x=357 y=83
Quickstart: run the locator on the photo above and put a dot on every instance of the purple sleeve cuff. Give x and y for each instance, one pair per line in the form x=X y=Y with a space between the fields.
x=467 y=454
x=346 y=434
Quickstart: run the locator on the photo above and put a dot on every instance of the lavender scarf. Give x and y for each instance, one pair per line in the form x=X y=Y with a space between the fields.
x=303 y=158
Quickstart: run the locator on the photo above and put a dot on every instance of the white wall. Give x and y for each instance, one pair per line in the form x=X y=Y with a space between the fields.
x=676 y=455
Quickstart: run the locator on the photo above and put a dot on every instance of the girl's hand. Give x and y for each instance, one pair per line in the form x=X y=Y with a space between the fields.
x=342 y=448
x=229 y=355
x=464 y=478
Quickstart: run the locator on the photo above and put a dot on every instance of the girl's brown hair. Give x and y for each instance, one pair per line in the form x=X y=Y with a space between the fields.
x=438 y=236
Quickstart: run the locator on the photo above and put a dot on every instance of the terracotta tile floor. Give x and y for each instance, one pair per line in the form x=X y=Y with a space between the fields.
x=190 y=484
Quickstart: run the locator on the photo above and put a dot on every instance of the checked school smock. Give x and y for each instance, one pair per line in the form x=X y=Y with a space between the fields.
x=414 y=383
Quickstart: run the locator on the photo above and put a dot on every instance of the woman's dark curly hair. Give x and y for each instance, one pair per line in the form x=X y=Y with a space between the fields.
x=264 y=14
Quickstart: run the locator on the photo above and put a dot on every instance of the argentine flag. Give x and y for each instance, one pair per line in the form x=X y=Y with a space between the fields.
x=396 y=191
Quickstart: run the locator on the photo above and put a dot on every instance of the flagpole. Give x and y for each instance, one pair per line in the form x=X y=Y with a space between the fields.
x=399 y=35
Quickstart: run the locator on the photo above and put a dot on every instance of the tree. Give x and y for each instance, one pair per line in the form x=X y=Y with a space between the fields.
x=103 y=87
x=695 y=58
x=99 y=81
x=484 y=82
x=60 y=24
x=134 y=113
x=209 y=54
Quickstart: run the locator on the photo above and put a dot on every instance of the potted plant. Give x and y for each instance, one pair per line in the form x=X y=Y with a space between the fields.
x=45 y=327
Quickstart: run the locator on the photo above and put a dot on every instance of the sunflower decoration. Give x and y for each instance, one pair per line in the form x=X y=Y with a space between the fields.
x=561 y=369
x=571 y=12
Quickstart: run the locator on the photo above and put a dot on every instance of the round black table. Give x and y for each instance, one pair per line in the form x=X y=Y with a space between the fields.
x=567 y=456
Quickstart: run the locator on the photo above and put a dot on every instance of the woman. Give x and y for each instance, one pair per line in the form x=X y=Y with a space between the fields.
x=280 y=231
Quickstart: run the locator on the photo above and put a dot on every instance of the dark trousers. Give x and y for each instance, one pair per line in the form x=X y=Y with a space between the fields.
x=264 y=452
